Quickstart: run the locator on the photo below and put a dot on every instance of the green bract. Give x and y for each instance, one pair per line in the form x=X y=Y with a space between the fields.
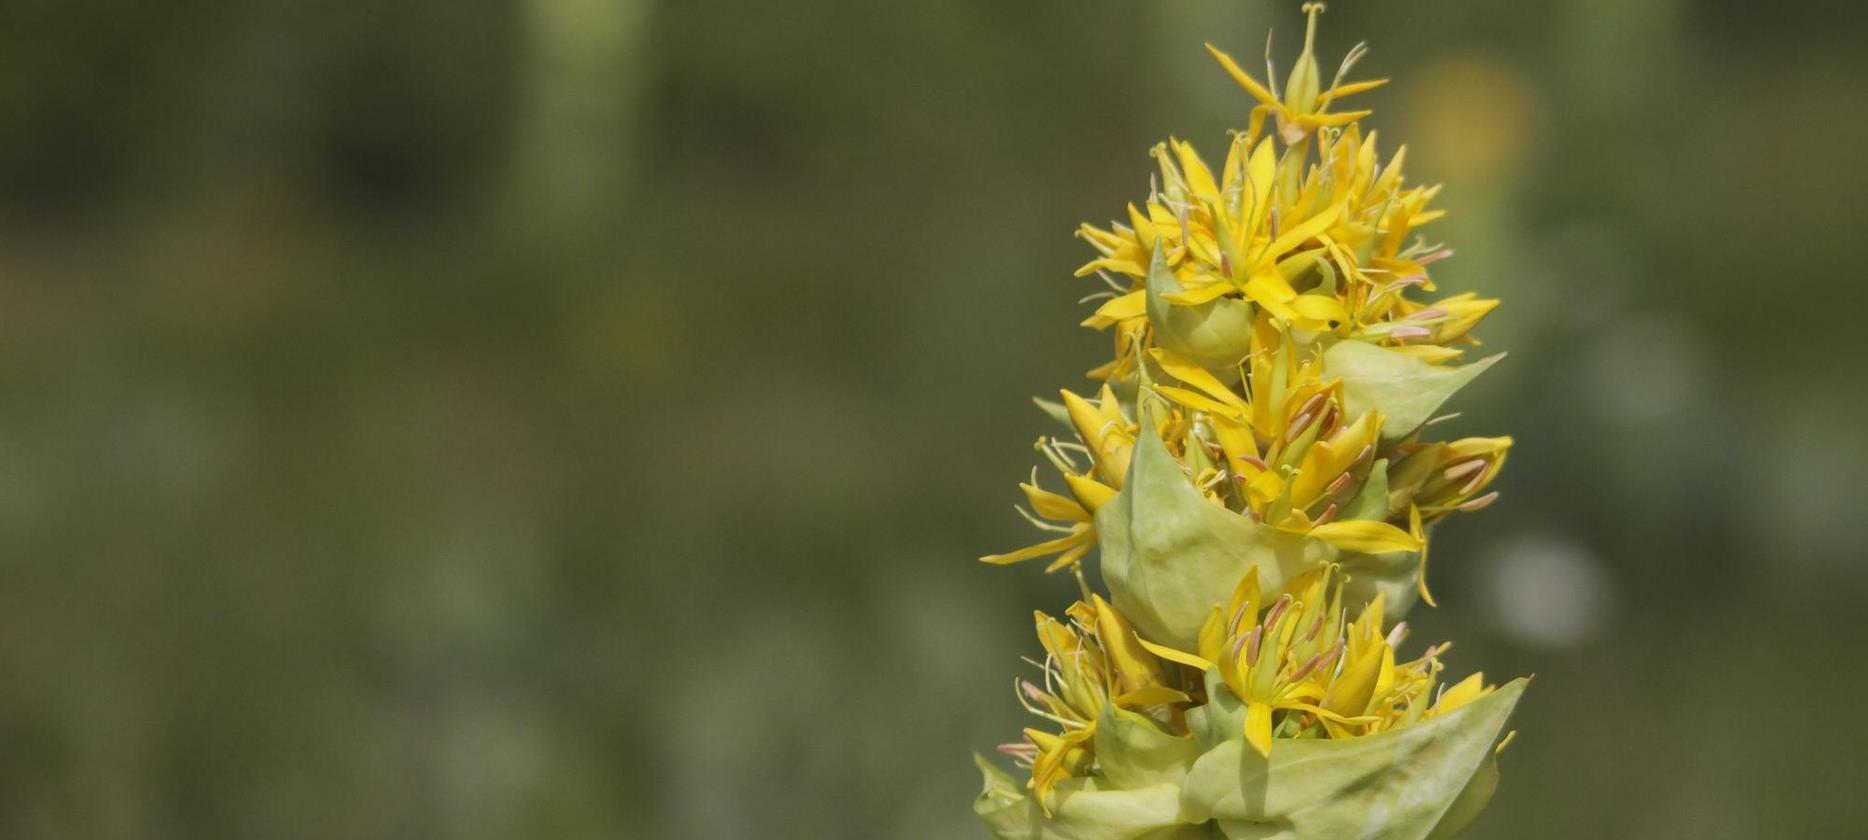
x=1403 y=388
x=1216 y=334
x=1422 y=780
x=1169 y=555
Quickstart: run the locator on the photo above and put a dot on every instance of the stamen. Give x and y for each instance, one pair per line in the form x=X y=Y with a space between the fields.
x=1238 y=615
x=1308 y=666
x=1337 y=486
x=1477 y=479
x=1277 y=611
x=1329 y=514
x=1435 y=257
x=1428 y=314
x=1397 y=634
x=1463 y=469
x=1410 y=332
x=1480 y=503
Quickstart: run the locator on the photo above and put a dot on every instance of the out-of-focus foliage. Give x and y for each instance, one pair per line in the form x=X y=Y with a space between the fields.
x=574 y=419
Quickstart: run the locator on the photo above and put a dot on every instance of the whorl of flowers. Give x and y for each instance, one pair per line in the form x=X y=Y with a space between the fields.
x=1254 y=472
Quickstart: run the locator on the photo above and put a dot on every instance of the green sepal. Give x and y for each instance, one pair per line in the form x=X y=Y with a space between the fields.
x=1055 y=410
x=1169 y=555
x=1133 y=752
x=1403 y=783
x=1215 y=334
x=1083 y=809
x=1222 y=719
x=1403 y=388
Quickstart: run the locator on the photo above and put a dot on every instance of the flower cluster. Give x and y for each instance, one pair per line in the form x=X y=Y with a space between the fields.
x=1262 y=429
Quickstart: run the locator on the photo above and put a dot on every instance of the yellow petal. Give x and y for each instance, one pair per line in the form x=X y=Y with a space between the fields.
x=1090 y=492
x=1251 y=86
x=1190 y=372
x=1258 y=727
x=1320 y=308
x=1052 y=505
x=1351 y=89
x=1172 y=655
x=1195 y=401
x=1132 y=305
x=1154 y=695
x=1367 y=536
x=1048 y=547
x=1468 y=690
x=1199 y=178
x=1133 y=663
x=1414 y=527
x=1198 y=294
x=1290 y=239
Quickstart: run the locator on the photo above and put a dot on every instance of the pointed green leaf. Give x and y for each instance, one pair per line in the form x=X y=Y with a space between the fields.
x=1003 y=805
x=1222 y=719
x=1406 y=390
x=1169 y=555
x=1399 y=784
x=1216 y=334
x=1085 y=809
x=1391 y=574
x=1055 y=410
x=1471 y=801
x=1133 y=752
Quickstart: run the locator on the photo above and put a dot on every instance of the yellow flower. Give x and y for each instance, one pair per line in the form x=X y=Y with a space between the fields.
x=1440 y=478
x=1091 y=661
x=1106 y=438
x=1317 y=237
x=1301 y=673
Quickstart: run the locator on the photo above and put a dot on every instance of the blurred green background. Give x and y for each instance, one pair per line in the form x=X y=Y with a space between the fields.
x=578 y=418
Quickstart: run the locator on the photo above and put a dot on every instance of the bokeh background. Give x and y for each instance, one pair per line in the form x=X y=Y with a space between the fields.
x=578 y=418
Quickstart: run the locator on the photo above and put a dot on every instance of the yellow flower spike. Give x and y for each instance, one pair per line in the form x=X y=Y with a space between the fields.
x=1278 y=338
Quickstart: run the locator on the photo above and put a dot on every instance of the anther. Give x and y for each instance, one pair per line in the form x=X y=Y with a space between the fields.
x=1463 y=469
x=1480 y=503
x=1334 y=488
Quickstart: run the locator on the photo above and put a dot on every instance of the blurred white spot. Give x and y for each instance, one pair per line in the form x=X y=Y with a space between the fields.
x=1548 y=592
x=1645 y=370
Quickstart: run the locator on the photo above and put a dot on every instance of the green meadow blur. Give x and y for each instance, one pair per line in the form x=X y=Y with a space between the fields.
x=579 y=418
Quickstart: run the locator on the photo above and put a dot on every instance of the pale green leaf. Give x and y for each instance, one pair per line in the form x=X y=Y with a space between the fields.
x=1401 y=784
x=1215 y=334
x=1133 y=752
x=1169 y=555
x=1405 y=390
